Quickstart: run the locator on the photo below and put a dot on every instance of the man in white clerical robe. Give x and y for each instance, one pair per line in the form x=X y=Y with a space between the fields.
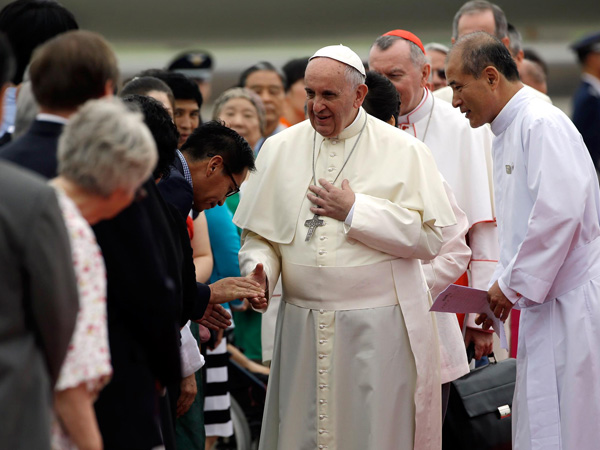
x=356 y=358
x=462 y=154
x=548 y=207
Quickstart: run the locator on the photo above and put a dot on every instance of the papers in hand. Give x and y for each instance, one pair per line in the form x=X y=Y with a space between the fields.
x=462 y=299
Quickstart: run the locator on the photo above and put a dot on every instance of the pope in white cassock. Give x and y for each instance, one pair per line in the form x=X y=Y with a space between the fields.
x=344 y=206
x=548 y=209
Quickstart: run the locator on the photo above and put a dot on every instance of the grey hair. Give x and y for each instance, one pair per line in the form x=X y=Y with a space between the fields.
x=106 y=146
x=27 y=109
x=416 y=54
x=354 y=77
x=238 y=92
x=478 y=6
x=436 y=46
x=516 y=41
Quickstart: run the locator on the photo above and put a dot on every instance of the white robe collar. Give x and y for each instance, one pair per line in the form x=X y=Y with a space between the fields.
x=422 y=109
x=507 y=114
x=351 y=130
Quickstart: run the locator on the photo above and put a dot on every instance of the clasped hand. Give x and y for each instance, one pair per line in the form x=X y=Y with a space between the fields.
x=331 y=201
x=259 y=277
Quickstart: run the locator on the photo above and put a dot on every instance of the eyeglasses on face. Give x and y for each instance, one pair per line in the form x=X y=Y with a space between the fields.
x=236 y=189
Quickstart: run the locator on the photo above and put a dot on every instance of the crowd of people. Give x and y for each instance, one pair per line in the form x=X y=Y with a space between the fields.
x=302 y=231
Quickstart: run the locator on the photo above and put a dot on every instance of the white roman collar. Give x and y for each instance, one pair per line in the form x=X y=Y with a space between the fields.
x=421 y=111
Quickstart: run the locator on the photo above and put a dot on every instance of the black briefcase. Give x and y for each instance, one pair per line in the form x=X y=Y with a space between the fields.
x=479 y=408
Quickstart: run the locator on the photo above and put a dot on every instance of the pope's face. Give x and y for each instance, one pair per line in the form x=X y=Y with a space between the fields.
x=471 y=95
x=332 y=102
x=396 y=65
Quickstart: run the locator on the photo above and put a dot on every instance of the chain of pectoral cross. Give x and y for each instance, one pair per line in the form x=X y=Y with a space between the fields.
x=316 y=221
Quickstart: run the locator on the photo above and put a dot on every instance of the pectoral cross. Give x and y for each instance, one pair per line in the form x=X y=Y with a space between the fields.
x=312 y=225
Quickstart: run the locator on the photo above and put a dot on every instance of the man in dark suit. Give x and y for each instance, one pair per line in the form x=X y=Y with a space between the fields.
x=39 y=301
x=65 y=72
x=27 y=24
x=586 y=101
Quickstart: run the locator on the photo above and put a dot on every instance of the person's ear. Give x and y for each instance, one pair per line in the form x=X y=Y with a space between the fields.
x=213 y=164
x=361 y=93
x=492 y=76
x=425 y=73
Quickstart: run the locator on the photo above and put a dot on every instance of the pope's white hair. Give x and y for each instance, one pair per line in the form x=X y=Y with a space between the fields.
x=354 y=77
x=106 y=146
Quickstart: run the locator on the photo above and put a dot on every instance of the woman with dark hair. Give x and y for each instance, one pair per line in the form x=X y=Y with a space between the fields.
x=382 y=100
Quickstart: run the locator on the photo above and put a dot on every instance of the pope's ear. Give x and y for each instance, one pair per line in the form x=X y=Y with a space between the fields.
x=361 y=93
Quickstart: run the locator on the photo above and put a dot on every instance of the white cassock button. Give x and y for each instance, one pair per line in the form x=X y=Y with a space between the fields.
x=322 y=252
x=334 y=142
x=332 y=154
x=322 y=341
x=331 y=169
x=321 y=356
x=321 y=326
x=323 y=238
x=321 y=371
x=321 y=431
x=321 y=311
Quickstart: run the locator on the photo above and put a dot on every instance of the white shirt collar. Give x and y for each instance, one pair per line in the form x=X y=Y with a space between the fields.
x=51 y=118
x=592 y=80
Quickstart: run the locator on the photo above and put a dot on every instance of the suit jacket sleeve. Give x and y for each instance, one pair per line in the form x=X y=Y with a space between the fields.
x=54 y=300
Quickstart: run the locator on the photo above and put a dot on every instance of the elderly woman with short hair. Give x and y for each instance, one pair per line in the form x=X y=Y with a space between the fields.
x=104 y=155
x=243 y=111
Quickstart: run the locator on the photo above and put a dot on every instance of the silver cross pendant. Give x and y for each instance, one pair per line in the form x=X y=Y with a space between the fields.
x=312 y=225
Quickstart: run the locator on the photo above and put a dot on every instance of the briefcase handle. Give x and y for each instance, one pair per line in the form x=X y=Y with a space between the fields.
x=471 y=354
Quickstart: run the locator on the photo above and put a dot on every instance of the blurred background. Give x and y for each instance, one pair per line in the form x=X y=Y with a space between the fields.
x=148 y=33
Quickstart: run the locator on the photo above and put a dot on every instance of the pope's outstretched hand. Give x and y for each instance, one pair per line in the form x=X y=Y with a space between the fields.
x=259 y=276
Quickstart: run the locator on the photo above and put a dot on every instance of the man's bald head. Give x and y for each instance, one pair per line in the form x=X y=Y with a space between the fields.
x=483 y=77
x=532 y=74
x=479 y=15
x=479 y=50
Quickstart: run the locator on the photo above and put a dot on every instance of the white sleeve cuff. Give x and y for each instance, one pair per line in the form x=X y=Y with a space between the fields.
x=191 y=358
x=510 y=294
x=348 y=220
